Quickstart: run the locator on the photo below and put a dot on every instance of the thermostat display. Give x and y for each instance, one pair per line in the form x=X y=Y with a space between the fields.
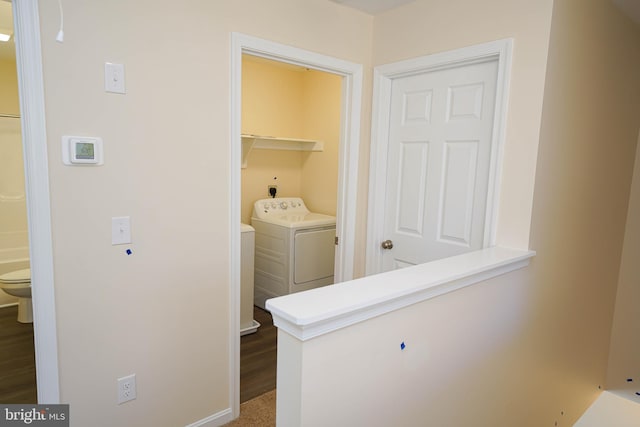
x=80 y=150
x=84 y=150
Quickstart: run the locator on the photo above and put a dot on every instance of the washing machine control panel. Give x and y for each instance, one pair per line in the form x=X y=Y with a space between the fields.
x=278 y=206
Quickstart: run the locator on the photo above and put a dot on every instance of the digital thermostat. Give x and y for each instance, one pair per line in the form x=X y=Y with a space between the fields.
x=82 y=150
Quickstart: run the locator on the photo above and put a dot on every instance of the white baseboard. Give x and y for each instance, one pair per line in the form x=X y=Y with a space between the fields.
x=214 y=420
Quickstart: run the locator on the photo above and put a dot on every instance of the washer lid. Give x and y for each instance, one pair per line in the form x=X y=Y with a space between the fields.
x=246 y=228
x=18 y=276
x=302 y=220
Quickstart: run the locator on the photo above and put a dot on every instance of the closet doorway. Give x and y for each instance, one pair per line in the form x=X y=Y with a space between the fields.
x=343 y=197
x=283 y=104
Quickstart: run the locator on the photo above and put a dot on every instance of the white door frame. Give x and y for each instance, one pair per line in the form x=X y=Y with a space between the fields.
x=34 y=141
x=383 y=77
x=347 y=170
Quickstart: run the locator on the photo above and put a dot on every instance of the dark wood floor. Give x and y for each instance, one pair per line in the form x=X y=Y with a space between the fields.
x=17 y=359
x=258 y=353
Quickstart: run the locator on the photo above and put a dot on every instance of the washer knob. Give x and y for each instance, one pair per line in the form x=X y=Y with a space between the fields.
x=283 y=205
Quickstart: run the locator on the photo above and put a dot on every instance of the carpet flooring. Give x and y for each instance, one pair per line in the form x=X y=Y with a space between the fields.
x=257 y=412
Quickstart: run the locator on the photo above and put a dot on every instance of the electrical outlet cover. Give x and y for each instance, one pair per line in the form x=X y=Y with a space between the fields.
x=127 y=388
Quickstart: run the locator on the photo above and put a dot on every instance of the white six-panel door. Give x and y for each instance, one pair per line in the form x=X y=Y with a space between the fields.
x=438 y=163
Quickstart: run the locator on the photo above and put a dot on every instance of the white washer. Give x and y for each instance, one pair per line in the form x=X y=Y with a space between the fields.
x=247 y=324
x=295 y=248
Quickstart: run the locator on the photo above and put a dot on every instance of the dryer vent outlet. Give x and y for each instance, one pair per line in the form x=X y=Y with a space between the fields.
x=273 y=190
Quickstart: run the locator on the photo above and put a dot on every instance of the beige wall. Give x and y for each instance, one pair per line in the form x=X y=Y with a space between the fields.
x=162 y=312
x=528 y=348
x=322 y=102
x=271 y=106
x=14 y=243
x=624 y=356
x=291 y=102
x=9 y=87
x=468 y=361
x=588 y=140
x=272 y=96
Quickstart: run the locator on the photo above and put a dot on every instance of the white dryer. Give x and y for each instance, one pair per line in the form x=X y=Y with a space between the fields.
x=295 y=248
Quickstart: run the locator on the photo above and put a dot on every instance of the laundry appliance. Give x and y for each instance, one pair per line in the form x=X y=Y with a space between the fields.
x=294 y=248
x=247 y=324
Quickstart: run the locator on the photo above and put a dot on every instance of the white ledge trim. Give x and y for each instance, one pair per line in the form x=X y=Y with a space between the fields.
x=309 y=314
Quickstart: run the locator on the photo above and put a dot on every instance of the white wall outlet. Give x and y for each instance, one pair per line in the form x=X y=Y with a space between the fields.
x=114 y=78
x=126 y=388
x=120 y=230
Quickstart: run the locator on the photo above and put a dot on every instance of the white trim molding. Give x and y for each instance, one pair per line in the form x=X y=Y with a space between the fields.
x=320 y=311
x=34 y=137
x=383 y=77
x=218 y=419
x=352 y=75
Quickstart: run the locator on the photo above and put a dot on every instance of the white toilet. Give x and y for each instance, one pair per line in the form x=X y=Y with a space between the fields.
x=18 y=284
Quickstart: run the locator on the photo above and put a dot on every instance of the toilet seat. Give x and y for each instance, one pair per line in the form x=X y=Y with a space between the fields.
x=18 y=284
x=16 y=277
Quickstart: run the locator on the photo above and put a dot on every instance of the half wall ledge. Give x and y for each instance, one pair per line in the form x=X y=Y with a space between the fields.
x=309 y=314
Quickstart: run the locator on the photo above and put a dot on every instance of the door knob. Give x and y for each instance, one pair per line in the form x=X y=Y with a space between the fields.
x=387 y=244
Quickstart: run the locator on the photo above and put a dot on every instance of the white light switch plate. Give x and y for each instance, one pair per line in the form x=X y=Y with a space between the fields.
x=120 y=230
x=114 y=77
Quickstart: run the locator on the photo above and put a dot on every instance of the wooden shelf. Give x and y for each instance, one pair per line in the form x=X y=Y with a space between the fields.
x=251 y=142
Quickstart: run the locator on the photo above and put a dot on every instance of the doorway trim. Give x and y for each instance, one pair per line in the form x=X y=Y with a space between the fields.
x=34 y=137
x=383 y=77
x=347 y=169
